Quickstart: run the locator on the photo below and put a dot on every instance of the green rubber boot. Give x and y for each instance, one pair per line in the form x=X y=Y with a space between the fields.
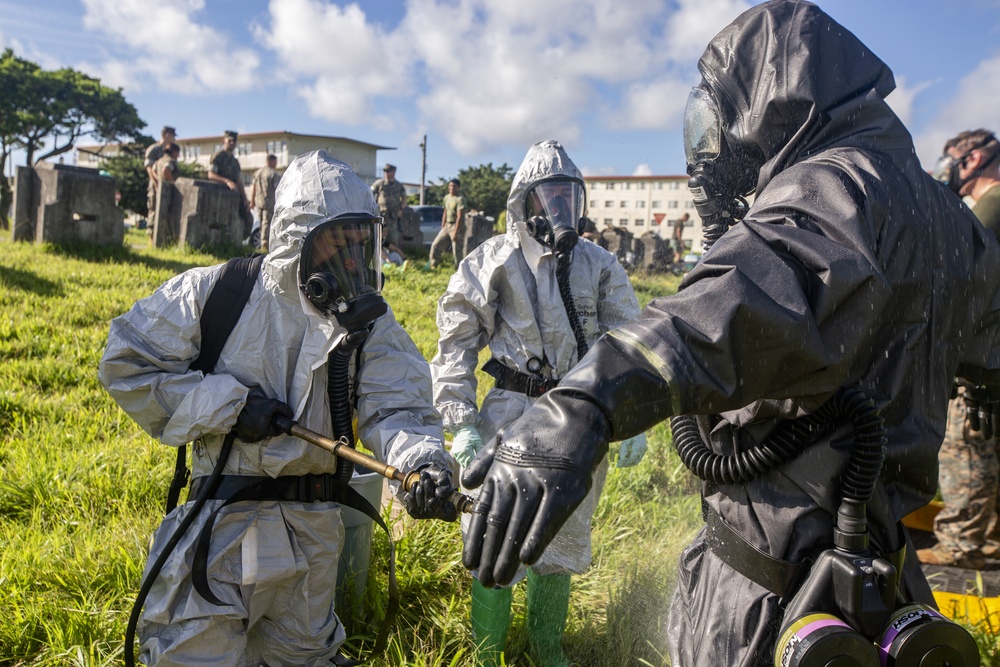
x=545 y=621
x=490 y=620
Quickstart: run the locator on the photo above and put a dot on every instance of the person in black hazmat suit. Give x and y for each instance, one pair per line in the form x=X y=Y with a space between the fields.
x=852 y=269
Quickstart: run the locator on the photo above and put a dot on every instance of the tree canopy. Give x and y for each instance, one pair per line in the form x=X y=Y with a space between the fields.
x=50 y=110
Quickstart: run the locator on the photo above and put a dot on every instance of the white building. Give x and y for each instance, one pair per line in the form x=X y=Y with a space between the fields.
x=642 y=204
x=252 y=149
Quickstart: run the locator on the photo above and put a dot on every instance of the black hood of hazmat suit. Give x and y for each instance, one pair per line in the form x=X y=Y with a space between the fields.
x=852 y=268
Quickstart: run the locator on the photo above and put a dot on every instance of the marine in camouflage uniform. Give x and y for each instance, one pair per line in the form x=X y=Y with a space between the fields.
x=391 y=198
x=225 y=167
x=265 y=184
x=153 y=153
x=968 y=465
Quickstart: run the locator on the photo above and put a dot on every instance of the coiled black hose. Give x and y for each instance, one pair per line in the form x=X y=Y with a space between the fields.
x=566 y=293
x=789 y=440
x=339 y=395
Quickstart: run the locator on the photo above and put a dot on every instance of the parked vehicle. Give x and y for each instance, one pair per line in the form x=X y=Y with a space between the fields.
x=430 y=221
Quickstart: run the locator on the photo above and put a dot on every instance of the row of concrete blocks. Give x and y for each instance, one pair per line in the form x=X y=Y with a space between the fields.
x=55 y=203
x=648 y=253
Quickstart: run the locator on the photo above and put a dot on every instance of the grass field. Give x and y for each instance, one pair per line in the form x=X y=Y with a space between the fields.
x=82 y=487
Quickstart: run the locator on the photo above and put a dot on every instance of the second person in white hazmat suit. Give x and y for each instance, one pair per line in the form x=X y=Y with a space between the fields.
x=272 y=559
x=507 y=295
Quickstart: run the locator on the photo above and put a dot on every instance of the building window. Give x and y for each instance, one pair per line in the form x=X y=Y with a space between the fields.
x=217 y=148
x=673 y=185
x=628 y=186
x=673 y=204
x=608 y=221
x=244 y=149
x=642 y=186
x=659 y=185
x=639 y=223
x=656 y=204
x=622 y=204
x=640 y=204
x=275 y=148
x=623 y=222
x=689 y=204
x=608 y=203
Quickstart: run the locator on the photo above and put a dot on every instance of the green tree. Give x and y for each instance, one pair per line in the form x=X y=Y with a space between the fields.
x=52 y=109
x=486 y=187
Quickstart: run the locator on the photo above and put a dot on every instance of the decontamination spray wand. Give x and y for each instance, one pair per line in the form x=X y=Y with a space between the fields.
x=462 y=502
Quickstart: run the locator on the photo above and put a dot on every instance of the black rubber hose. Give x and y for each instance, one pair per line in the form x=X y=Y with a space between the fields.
x=566 y=293
x=790 y=439
x=168 y=548
x=339 y=395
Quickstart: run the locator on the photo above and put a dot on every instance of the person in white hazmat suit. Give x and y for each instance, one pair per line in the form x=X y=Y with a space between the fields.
x=507 y=295
x=273 y=563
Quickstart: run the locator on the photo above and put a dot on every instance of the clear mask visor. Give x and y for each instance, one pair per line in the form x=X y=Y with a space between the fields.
x=562 y=203
x=348 y=249
x=944 y=168
x=702 y=127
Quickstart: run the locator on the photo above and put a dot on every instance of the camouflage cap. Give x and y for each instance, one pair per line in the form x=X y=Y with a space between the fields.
x=389 y=167
x=168 y=130
x=230 y=134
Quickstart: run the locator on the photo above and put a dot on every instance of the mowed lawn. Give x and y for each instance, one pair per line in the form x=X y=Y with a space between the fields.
x=82 y=488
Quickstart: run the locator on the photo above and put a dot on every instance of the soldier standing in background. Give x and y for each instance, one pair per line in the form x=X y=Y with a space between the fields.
x=391 y=197
x=968 y=466
x=452 y=225
x=265 y=182
x=155 y=151
x=225 y=168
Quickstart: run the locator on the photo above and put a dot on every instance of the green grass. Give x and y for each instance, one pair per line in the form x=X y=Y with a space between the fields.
x=82 y=487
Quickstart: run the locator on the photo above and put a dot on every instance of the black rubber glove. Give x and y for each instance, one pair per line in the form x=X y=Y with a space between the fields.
x=430 y=497
x=256 y=420
x=533 y=476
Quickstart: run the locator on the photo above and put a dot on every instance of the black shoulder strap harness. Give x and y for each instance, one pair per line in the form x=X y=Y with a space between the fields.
x=218 y=319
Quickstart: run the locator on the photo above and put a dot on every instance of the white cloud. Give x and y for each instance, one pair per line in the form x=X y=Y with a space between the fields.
x=901 y=100
x=486 y=74
x=654 y=105
x=351 y=62
x=169 y=48
x=694 y=25
x=973 y=106
x=643 y=170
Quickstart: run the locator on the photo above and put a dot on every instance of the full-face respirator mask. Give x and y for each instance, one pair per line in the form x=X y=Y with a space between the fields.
x=340 y=271
x=948 y=168
x=721 y=174
x=554 y=214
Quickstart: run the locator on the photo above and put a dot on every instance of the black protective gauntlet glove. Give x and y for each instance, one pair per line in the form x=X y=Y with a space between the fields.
x=533 y=476
x=430 y=497
x=256 y=420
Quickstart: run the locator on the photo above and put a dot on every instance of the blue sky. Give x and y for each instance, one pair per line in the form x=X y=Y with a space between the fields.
x=482 y=78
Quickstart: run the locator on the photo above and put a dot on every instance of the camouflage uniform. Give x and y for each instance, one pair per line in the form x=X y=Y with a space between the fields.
x=969 y=476
x=452 y=205
x=226 y=165
x=391 y=198
x=265 y=182
x=153 y=154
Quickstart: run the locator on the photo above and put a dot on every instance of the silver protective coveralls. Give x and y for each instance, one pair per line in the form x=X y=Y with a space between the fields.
x=854 y=268
x=505 y=295
x=273 y=563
